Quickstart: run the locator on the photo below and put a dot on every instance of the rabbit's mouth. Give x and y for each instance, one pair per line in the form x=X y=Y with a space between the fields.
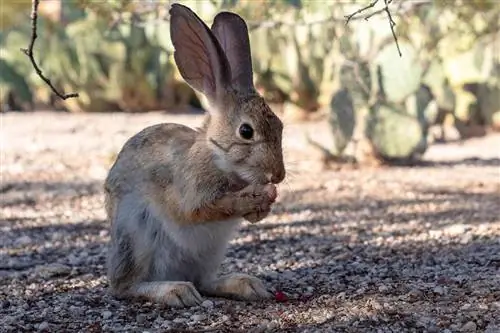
x=240 y=181
x=254 y=178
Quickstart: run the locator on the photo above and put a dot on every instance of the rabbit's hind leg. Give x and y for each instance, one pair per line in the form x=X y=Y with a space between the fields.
x=171 y=293
x=236 y=286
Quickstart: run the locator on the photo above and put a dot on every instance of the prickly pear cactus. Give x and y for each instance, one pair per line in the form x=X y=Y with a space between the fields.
x=400 y=76
x=394 y=134
x=468 y=67
x=434 y=76
x=489 y=104
x=422 y=106
x=13 y=81
x=358 y=80
x=342 y=119
x=467 y=106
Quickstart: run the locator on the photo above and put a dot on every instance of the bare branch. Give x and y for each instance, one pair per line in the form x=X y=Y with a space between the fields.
x=361 y=10
x=29 y=52
x=329 y=19
x=392 y=24
x=385 y=9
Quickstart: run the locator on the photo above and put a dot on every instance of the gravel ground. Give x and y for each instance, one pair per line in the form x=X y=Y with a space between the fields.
x=355 y=250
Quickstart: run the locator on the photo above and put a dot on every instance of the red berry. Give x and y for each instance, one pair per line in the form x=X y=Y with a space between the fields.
x=280 y=296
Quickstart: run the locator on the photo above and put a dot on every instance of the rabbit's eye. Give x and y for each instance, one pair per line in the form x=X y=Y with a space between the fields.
x=246 y=131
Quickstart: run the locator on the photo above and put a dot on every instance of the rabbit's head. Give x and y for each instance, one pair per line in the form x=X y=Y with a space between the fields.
x=241 y=130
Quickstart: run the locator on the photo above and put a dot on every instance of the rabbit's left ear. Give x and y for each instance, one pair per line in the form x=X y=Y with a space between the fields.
x=232 y=34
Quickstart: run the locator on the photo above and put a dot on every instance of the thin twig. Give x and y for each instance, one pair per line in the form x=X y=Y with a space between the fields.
x=329 y=19
x=392 y=24
x=29 y=52
x=372 y=4
x=361 y=10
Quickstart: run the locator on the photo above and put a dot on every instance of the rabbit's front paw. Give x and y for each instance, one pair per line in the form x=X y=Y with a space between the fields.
x=257 y=201
x=238 y=286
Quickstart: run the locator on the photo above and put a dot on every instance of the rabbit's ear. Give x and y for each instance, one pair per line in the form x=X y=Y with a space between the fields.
x=198 y=55
x=232 y=33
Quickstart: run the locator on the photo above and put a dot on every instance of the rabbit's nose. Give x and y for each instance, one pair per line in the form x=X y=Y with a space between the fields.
x=278 y=176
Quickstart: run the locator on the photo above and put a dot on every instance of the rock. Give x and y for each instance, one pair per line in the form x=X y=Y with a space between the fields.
x=469 y=327
x=273 y=325
x=439 y=290
x=74 y=260
x=414 y=295
x=166 y=324
x=106 y=315
x=383 y=288
x=53 y=270
x=23 y=240
x=466 y=306
x=207 y=304
x=179 y=320
x=141 y=318
x=198 y=317
x=76 y=311
x=455 y=229
x=43 y=326
x=492 y=328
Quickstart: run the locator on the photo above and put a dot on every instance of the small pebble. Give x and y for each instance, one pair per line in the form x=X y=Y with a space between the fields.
x=439 y=290
x=141 y=318
x=415 y=294
x=43 y=326
x=466 y=306
x=383 y=288
x=23 y=240
x=106 y=314
x=179 y=320
x=207 y=304
x=76 y=311
x=198 y=317
x=469 y=327
x=273 y=325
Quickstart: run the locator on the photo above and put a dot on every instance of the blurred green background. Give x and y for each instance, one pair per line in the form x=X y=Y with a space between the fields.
x=118 y=56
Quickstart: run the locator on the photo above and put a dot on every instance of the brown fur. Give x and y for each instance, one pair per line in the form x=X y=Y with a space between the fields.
x=174 y=196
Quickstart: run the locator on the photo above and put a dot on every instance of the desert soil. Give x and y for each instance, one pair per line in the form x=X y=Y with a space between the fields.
x=354 y=250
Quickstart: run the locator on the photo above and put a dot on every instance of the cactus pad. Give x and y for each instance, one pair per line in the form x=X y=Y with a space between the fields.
x=394 y=134
x=342 y=119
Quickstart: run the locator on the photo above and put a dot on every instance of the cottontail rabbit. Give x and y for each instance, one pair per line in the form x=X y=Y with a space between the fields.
x=175 y=196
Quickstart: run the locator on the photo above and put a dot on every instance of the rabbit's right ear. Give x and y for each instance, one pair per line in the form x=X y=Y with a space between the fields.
x=198 y=54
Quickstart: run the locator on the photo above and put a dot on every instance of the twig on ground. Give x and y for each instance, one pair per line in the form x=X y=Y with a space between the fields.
x=29 y=52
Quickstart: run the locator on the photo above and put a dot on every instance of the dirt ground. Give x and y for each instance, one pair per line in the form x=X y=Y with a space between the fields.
x=359 y=250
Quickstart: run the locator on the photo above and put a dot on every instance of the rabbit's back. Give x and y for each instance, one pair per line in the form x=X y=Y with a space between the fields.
x=149 y=158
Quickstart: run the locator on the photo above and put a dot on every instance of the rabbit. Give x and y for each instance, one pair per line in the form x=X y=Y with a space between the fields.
x=175 y=196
